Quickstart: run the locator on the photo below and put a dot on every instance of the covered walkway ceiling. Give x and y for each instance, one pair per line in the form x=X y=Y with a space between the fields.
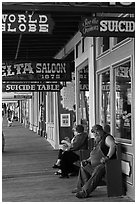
x=66 y=17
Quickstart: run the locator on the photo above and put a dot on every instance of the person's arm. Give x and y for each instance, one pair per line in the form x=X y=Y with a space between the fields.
x=66 y=142
x=78 y=142
x=112 y=148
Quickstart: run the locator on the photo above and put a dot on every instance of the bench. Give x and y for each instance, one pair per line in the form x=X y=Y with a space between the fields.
x=113 y=176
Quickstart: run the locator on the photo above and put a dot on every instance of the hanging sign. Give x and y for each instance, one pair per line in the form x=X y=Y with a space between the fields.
x=27 y=23
x=31 y=87
x=37 y=71
x=107 y=26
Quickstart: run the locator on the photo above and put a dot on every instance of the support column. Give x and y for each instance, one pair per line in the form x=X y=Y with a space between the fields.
x=35 y=124
x=56 y=122
x=92 y=84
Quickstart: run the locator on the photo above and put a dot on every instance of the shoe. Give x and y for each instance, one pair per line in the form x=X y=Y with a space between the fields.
x=75 y=190
x=73 y=174
x=55 y=166
x=64 y=176
x=57 y=173
x=81 y=194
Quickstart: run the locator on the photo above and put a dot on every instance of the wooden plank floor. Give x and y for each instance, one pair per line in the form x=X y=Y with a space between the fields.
x=27 y=174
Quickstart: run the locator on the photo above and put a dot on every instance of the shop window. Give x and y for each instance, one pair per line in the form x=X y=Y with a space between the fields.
x=118 y=40
x=105 y=99
x=123 y=100
x=84 y=98
x=103 y=45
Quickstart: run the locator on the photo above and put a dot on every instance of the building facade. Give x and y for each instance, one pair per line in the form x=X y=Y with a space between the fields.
x=103 y=91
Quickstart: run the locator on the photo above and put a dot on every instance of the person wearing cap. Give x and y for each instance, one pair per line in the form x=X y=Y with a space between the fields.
x=93 y=169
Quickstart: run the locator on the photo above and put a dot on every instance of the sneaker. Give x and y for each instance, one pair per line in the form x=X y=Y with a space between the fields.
x=58 y=172
x=64 y=176
x=75 y=190
x=73 y=174
x=81 y=194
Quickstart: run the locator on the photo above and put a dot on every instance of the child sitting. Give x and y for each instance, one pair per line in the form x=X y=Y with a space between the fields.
x=63 y=147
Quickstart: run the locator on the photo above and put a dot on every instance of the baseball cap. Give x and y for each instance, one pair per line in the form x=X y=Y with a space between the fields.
x=96 y=128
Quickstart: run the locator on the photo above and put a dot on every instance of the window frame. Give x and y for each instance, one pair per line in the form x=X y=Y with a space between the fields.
x=114 y=66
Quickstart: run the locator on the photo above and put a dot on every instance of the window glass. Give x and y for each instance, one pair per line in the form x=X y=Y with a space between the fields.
x=123 y=100
x=84 y=98
x=118 y=40
x=103 y=44
x=105 y=99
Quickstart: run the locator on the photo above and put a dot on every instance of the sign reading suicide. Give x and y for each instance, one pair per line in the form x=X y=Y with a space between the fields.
x=31 y=87
x=107 y=26
x=27 y=23
x=37 y=71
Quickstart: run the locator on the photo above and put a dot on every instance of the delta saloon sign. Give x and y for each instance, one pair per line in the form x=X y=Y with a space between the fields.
x=55 y=70
x=27 y=23
x=107 y=26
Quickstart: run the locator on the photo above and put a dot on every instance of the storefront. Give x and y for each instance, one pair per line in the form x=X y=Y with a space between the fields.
x=104 y=78
x=115 y=93
x=110 y=90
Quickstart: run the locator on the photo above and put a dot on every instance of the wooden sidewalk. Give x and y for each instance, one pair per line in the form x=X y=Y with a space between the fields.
x=27 y=173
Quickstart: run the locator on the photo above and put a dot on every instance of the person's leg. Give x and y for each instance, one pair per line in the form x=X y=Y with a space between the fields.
x=71 y=158
x=67 y=160
x=57 y=163
x=83 y=176
x=93 y=182
x=59 y=157
x=64 y=164
x=60 y=153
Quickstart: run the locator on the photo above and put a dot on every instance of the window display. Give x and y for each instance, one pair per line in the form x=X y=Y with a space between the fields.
x=105 y=98
x=84 y=98
x=123 y=100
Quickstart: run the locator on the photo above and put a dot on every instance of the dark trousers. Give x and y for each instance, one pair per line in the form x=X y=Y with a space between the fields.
x=89 y=177
x=60 y=154
x=67 y=160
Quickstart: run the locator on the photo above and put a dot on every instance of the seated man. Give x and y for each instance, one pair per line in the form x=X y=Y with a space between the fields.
x=71 y=154
x=93 y=169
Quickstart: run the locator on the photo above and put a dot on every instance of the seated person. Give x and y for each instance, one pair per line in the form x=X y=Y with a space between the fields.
x=63 y=147
x=93 y=169
x=71 y=154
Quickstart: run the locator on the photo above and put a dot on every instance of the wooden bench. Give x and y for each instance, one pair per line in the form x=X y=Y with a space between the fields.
x=113 y=176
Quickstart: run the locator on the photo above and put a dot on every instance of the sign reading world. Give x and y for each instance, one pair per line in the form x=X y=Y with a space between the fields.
x=55 y=70
x=27 y=23
x=107 y=26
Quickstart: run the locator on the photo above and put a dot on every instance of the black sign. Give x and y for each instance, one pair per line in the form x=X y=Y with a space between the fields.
x=37 y=71
x=26 y=23
x=96 y=7
x=31 y=87
x=107 y=26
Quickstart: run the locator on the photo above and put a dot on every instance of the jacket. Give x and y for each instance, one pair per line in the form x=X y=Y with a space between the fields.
x=80 y=141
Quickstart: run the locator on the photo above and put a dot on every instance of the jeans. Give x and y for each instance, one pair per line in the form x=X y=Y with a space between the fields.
x=89 y=177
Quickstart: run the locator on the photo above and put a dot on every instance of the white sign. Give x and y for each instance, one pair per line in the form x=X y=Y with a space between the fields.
x=26 y=23
x=65 y=120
